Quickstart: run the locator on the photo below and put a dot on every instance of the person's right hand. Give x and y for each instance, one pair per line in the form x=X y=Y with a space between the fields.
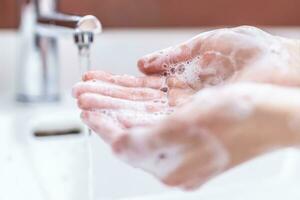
x=220 y=128
x=228 y=55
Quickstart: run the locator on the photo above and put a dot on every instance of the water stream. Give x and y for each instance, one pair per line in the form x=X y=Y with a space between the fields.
x=84 y=66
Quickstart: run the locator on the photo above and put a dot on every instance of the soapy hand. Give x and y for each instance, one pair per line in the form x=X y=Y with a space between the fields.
x=218 y=129
x=130 y=101
x=207 y=136
x=130 y=113
x=228 y=55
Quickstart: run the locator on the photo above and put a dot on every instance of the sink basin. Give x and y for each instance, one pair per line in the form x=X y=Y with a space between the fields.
x=56 y=167
x=43 y=166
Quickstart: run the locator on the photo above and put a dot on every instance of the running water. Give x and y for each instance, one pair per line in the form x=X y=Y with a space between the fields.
x=84 y=66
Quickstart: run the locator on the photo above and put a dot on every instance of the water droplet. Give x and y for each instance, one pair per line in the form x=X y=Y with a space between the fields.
x=162 y=156
x=166 y=74
x=169 y=112
x=164 y=89
x=180 y=69
x=172 y=70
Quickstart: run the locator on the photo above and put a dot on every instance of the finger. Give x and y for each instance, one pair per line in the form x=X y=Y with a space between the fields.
x=160 y=61
x=103 y=125
x=154 y=82
x=116 y=91
x=130 y=119
x=124 y=80
x=91 y=101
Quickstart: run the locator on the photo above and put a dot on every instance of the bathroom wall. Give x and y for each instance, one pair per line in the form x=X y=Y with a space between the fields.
x=9 y=14
x=145 y=13
x=178 y=13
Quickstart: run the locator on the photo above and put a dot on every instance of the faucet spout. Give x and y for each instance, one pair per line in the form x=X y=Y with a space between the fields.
x=41 y=24
x=88 y=23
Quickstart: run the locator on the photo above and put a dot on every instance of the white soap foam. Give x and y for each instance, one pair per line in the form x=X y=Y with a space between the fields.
x=136 y=117
x=164 y=160
x=196 y=75
x=110 y=89
x=159 y=162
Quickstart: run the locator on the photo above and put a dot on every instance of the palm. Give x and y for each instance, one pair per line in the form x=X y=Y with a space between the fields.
x=133 y=101
x=229 y=55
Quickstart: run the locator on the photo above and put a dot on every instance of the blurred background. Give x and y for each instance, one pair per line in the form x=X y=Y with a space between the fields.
x=44 y=153
x=172 y=13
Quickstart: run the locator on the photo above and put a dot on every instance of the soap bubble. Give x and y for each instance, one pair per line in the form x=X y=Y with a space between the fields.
x=164 y=89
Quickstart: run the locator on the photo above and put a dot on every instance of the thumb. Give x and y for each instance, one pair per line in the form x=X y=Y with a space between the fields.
x=160 y=61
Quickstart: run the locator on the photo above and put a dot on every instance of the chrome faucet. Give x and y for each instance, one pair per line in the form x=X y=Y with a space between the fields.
x=38 y=68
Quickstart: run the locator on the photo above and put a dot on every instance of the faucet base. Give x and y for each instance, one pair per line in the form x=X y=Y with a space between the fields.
x=29 y=99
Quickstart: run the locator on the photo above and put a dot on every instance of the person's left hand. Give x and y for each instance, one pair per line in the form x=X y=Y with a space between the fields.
x=131 y=101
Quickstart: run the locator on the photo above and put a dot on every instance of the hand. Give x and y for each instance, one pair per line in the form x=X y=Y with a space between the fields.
x=207 y=136
x=228 y=55
x=130 y=101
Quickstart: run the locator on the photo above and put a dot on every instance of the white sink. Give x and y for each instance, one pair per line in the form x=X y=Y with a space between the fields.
x=56 y=168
